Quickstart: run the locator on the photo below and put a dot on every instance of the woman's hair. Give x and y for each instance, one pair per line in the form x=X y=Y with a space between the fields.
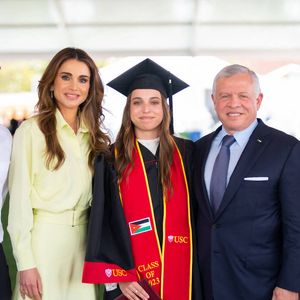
x=90 y=110
x=125 y=143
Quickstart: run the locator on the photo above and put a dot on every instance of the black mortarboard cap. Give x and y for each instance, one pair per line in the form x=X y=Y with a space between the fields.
x=149 y=75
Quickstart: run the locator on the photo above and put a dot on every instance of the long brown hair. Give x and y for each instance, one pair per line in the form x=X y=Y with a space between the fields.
x=90 y=110
x=125 y=142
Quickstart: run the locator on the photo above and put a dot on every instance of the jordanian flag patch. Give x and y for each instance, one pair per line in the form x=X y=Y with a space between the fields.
x=140 y=226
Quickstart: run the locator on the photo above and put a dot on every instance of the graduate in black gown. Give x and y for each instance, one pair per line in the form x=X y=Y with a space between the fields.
x=141 y=223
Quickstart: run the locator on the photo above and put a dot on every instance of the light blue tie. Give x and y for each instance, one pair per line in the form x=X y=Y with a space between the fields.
x=219 y=174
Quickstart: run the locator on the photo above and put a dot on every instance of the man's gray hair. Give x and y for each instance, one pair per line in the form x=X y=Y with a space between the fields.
x=233 y=70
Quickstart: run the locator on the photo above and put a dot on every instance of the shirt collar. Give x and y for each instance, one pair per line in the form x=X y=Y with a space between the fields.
x=61 y=122
x=241 y=137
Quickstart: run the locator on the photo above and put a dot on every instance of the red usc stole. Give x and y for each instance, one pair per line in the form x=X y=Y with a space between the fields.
x=168 y=270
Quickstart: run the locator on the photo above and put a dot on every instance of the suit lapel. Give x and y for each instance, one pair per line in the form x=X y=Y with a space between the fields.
x=254 y=148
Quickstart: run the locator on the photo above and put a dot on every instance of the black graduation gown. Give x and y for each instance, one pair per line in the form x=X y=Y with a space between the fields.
x=108 y=236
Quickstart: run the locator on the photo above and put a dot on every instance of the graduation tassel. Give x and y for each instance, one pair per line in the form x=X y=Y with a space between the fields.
x=171 y=104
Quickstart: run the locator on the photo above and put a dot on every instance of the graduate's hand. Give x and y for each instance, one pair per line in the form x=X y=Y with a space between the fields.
x=282 y=294
x=133 y=291
x=30 y=284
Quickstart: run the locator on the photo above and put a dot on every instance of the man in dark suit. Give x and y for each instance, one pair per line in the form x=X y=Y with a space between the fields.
x=248 y=217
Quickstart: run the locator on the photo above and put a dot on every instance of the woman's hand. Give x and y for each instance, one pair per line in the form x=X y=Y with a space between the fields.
x=30 y=284
x=133 y=291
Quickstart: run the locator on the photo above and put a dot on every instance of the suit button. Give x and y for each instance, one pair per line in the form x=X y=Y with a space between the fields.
x=215 y=226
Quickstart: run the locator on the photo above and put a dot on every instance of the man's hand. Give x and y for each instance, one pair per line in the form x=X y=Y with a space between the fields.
x=282 y=294
x=30 y=284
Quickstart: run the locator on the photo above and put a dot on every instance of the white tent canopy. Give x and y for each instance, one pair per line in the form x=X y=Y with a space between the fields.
x=32 y=28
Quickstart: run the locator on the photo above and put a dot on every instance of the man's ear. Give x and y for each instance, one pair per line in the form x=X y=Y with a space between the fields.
x=213 y=98
x=259 y=100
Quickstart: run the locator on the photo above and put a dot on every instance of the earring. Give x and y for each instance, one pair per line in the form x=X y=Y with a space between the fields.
x=52 y=94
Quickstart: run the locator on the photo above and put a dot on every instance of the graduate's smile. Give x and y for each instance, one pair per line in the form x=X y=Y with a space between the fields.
x=147 y=118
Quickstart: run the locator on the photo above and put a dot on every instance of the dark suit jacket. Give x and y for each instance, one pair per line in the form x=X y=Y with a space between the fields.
x=252 y=244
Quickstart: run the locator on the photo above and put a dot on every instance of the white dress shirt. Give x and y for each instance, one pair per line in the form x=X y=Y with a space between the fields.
x=241 y=140
x=5 y=149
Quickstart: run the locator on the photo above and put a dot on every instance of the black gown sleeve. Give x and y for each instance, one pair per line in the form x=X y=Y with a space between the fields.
x=108 y=237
